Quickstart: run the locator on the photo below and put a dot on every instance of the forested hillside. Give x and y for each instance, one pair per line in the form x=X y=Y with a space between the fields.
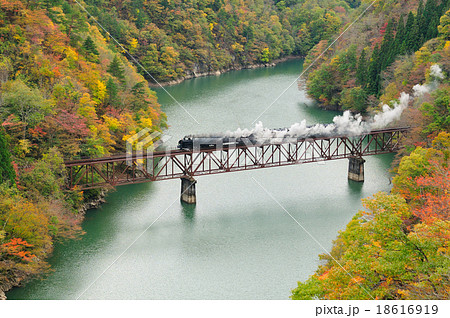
x=65 y=92
x=398 y=247
x=355 y=73
x=174 y=39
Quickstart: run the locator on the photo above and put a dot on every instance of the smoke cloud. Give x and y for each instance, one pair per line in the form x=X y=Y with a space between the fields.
x=345 y=124
x=420 y=90
x=436 y=74
x=436 y=71
x=388 y=115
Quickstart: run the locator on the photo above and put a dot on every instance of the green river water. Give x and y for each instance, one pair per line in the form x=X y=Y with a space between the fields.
x=236 y=242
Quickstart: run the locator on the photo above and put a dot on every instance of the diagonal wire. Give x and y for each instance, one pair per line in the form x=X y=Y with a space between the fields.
x=314 y=62
x=310 y=235
x=135 y=60
x=129 y=246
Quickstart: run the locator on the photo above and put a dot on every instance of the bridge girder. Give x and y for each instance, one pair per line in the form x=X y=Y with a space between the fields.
x=173 y=164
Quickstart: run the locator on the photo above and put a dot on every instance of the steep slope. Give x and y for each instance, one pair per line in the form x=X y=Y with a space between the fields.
x=64 y=92
x=355 y=73
x=398 y=246
x=177 y=39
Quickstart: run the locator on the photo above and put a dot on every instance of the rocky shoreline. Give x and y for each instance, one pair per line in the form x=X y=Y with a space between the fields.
x=193 y=74
x=95 y=203
x=14 y=281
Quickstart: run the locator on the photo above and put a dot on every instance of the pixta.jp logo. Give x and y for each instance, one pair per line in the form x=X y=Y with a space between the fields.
x=142 y=145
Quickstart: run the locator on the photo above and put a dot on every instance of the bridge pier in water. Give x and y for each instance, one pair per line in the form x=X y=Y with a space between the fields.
x=356 y=169
x=188 y=190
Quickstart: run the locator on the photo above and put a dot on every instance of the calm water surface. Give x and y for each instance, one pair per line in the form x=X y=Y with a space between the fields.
x=236 y=243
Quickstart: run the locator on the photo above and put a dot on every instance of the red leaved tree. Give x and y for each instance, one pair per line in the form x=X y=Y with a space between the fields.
x=17 y=247
x=433 y=202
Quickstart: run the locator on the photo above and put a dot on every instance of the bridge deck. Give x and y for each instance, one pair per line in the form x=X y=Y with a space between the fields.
x=171 y=164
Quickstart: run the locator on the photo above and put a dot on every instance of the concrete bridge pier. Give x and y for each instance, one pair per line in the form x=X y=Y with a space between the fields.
x=188 y=189
x=356 y=169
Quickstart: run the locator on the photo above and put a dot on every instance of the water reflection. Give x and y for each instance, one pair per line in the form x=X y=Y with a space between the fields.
x=316 y=114
x=188 y=211
x=355 y=188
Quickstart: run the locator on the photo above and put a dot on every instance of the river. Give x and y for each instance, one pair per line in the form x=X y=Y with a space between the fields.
x=236 y=242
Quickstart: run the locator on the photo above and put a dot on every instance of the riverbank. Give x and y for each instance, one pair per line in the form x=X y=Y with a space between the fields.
x=16 y=278
x=94 y=203
x=194 y=74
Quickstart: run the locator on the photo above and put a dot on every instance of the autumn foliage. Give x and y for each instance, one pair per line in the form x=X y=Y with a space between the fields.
x=58 y=87
x=356 y=71
x=174 y=39
x=399 y=246
x=433 y=202
x=17 y=247
x=59 y=98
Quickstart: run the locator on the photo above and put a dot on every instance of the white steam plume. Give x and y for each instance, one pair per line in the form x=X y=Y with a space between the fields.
x=436 y=71
x=437 y=74
x=345 y=124
x=389 y=115
x=420 y=90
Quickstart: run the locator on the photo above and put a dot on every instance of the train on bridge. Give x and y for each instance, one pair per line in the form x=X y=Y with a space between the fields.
x=267 y=137
x=234 y=154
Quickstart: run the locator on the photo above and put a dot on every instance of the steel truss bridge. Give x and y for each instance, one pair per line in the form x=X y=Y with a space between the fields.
x=174 y=164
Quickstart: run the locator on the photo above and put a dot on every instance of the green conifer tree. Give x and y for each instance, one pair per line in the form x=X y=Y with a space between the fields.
x=412 y=33
x=386 y=52
x=89 y=46
x=111 y=91
x=421 y=18
x=116 y=69
x=431 y=15
x=90 y=50
x=429 y=11
x=399 y=37
x=416 y=37
x=374 y=82
x=361 y=72
x=7 y=173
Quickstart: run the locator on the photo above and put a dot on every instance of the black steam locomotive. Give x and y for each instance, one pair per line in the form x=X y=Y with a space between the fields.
x=219 y=142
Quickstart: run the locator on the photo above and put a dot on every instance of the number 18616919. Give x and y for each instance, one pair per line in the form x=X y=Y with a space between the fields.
x=407 y=309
